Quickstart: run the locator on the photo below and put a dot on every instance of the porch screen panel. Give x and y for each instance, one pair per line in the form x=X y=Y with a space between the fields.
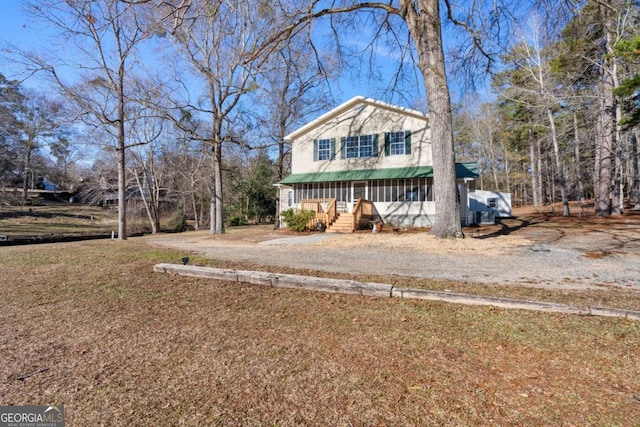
x=373 y=186
x=297 y=193
x=346 y=191
x=429 y=190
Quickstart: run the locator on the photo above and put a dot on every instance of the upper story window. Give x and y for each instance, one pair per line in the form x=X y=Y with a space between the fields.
x=397 y=143
x=324 y=149
x=354 y=147
x=362 y=146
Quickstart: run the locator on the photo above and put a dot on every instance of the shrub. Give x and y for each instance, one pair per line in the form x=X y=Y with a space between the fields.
x=178 y=221
x=297 y=220
x=237 y=220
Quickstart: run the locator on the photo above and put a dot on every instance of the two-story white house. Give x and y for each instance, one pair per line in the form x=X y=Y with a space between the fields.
x=365 y=160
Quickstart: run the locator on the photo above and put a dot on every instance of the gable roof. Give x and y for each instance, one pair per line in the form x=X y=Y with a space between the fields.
x=463 y=170
x=346 y=106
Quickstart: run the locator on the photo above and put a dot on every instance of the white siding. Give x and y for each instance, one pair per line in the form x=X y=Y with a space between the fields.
x=407 y=214
x=363 y=119
x=482 y=201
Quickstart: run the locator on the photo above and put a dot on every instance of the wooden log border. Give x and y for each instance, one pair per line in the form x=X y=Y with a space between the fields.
x=384 y=290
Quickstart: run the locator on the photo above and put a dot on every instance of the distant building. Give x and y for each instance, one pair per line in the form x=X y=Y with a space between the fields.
x=486 y=206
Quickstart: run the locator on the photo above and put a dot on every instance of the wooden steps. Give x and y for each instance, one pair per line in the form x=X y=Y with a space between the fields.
x=342 y=224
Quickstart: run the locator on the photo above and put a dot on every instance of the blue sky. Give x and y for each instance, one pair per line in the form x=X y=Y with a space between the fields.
x=16 y=28
x=19 y=29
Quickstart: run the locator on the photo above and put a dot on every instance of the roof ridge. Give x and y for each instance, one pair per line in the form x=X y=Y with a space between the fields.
x=346 y=106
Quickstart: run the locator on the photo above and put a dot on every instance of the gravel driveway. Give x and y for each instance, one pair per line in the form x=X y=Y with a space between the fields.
x=577 y=254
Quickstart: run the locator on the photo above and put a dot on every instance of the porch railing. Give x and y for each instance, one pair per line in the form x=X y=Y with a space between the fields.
x=362 y=210
x=325 y=211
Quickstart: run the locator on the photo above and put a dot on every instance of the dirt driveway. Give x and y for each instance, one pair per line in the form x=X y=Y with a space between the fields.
x=540 y=250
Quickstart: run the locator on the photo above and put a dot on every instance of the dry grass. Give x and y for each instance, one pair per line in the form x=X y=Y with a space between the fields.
x=90 y=326
x=608 y=297
x=426 y=243
x=56 y=219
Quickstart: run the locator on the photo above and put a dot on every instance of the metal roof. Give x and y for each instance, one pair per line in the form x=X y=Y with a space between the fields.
x=463 y=170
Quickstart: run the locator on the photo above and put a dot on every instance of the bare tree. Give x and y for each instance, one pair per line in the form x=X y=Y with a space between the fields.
x=218 y=39
x=11 y=101
x=37 y=122
x=293 y=87
x=539 y=67
x=148 y=133
x=189 y=163
x=106 y=35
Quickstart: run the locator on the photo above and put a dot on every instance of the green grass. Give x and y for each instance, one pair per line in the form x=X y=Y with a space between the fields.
x=122 y=345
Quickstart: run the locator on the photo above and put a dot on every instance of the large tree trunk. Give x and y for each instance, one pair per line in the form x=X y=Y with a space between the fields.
x=540 y=180
x=217 y=173
x=605 y=140
x=121 y=150
x=559 y=175
x=425 y=28
x=27 y=164
x=216 y=226
x=616 y=193
x=578 y=171
x=535 y=172
x=636 y=177
x=492 y=163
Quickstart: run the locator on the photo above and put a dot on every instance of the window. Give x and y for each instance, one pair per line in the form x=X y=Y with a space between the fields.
x=493 y=202
x=397 y=143
x=324 y=149
x=366 y=146
x=351 y=145
x=354 y=147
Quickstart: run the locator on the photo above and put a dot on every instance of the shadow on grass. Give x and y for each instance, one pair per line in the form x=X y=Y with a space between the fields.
x=506 y=229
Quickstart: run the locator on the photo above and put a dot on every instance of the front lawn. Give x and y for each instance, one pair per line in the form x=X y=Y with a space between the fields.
x=90 y=326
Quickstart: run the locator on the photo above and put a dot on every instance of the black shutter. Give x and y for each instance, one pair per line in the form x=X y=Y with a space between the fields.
x=387 y=143
x=407 y=142
x=375 y=145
